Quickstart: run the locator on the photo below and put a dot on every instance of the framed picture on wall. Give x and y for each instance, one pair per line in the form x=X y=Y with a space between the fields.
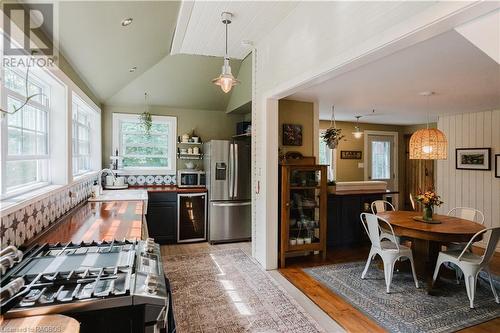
x=292 y=135
x=497 y=165
x=350 y=154
x=473 y=159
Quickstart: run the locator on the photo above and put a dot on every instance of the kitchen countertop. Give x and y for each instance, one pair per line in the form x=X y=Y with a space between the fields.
x=171 y=188
x=97 y=221
x=48 y=323
x=134 y=194
x=361 y=192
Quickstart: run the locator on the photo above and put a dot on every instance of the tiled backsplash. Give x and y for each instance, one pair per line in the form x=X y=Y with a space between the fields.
x=149 y=180
x=22 y=225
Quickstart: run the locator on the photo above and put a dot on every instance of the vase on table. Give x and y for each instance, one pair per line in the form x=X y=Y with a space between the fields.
x=428 y=211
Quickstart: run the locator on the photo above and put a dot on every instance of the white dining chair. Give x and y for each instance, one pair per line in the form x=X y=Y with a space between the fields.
x=412 y=201
x=471 y=264
x=379 y=206
x=465 y=213
x=388 y=250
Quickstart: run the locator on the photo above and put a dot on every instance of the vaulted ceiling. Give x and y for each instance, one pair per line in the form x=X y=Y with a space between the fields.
x=102 y=51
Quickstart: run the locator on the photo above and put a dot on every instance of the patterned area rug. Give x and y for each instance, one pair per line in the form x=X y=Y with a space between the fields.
x=227 y=291
x=407 y=309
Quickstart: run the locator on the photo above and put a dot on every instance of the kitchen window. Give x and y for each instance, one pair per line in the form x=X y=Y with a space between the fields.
x=327 y=157
x=25 y=144
x=81 y=141
x=153 y=153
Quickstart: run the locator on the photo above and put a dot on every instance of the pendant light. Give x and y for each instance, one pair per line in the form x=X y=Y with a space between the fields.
x=226 y=80
x=358 y=134
x=428 y=143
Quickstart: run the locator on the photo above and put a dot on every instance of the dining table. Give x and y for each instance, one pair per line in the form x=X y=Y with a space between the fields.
x=427 y=239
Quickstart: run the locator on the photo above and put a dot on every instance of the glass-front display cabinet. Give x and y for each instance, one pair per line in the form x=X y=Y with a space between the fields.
x=303 y=209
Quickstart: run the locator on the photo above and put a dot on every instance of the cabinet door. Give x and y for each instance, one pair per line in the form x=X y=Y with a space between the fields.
x=162 y=221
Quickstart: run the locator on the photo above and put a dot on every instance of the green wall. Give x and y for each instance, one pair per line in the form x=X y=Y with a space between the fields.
x=207 y=124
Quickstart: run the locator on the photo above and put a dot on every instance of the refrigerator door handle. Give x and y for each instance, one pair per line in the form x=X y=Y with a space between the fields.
x=231 y=171
x=231 y=204
x=236 y=179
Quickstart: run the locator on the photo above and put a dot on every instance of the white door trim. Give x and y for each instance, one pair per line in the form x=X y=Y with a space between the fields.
x=395 y=135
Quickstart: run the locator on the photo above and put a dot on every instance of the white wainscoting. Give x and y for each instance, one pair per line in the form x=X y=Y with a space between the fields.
x=478 y=189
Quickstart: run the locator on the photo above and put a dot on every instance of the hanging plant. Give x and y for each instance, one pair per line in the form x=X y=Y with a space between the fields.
x=332 y=135
x=145 y=117
x=146 y=122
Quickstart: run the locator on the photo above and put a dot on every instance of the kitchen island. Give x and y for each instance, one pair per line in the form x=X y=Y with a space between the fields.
x=344 y=208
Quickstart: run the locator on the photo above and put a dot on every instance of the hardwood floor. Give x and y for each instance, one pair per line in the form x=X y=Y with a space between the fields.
x=345 y=314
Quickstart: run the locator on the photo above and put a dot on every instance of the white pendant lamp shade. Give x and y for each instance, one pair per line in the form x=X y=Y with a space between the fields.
x=226 y=81
x=358 y=134
x=428 y=144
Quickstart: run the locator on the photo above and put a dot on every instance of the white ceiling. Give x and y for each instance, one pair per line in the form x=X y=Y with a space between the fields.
x=102 y=51
x=200 y=30
x=463 y=78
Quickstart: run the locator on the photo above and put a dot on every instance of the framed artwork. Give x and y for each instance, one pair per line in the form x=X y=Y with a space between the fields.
x=497 y=165
x=350 y=154
x=473 y=159
x=292 y=135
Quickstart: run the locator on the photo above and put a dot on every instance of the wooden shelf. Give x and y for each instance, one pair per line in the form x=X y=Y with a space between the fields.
x=245 y=135
x=190 y=143
x=189 y=156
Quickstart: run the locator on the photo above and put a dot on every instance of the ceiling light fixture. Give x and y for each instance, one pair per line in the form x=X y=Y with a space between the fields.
x=358 y=134
x=428 y=143
x=126 y=22
x=131 y=70
x=226 y=80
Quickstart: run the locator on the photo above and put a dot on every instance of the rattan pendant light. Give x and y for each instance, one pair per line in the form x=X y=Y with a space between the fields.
x=428 y=143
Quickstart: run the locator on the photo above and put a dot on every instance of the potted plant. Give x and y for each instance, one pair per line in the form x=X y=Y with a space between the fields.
x=428 y=199
x=332 y=135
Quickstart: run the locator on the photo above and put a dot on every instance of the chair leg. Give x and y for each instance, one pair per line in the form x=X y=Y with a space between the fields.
x=470 y=285
x=388 y=271
x=436 y=270
x=458 y=273
x=491 y=285
x=368 y=261
x=413 y=271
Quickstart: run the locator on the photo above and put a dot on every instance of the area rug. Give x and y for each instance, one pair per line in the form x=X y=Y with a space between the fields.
x=227 y=291
x=407 y=309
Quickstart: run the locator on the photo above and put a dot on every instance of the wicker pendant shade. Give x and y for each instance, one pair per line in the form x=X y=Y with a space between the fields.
x=428 y=144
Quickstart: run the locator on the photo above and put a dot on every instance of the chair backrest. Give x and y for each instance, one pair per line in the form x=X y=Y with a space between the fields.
x=379 y=206
x=467 y=213
x=490 y=246
x=371 y=224
x=412 y=201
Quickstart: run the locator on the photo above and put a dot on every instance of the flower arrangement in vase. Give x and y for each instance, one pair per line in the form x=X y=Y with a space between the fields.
x=428 y=199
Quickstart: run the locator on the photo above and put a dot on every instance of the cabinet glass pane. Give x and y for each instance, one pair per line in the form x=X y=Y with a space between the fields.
x=304 y=221
x=305 y=178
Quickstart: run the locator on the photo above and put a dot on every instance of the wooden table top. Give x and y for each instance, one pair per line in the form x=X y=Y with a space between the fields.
x=451 y=229
x=97 y=221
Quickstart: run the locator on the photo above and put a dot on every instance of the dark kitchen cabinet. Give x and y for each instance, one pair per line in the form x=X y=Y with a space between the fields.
x=162 y=217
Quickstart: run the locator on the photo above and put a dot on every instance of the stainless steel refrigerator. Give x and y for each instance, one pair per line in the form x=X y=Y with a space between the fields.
x=227 y=167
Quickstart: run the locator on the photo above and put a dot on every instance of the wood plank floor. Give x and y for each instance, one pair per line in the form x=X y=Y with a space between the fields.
x=345 y=314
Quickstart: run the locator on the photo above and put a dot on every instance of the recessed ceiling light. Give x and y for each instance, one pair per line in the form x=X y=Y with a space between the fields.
x=127 y=21
x=132 y=69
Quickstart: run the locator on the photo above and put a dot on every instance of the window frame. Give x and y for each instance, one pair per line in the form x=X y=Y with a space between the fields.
x=172 y=144
x=332 y=156
x=43 y=160
x=81 y=107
